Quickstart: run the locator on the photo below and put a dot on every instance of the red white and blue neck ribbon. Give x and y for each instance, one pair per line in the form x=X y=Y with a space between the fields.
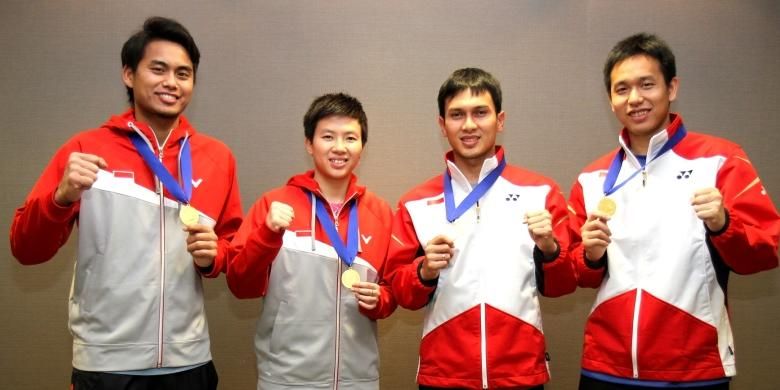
x=182 y=192
x=348 y=252
x=473 y=197
x=617 y=162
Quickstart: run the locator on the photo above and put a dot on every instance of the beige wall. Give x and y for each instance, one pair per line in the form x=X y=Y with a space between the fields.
x=262 y=64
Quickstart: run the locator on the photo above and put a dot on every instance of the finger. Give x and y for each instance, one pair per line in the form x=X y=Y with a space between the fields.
x=598 y=215
x=441 y=239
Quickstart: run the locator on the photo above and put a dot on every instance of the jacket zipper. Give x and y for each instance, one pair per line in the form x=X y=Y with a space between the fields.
x=162 y=266
x=338 y=296
x=160 y=191
x=483 y=345
x=635 y=332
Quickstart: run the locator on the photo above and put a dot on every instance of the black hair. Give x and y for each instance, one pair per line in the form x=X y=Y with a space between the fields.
x=339 y=104
x=157 y=28
x=641 y=44
x=474 y=79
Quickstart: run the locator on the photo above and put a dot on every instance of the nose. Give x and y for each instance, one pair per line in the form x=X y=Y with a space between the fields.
x=469 y=124
x=339 y=145
x=169 y=80
x=635 y=97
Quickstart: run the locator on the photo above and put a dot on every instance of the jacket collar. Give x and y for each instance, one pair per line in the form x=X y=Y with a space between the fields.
x=458 y=178
x=305 y=181
x=657 y=141
x=126 y=121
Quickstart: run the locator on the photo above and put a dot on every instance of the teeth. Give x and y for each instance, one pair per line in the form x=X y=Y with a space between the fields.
x=639 y=113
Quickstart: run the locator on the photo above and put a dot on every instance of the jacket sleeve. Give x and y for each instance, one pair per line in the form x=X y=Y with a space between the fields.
x=227 y=224
x=404 y=256
x=40 y=226
x=588 y=273
x=749 y=241
x=558 y=276
x=251 y=253
x=387 y=303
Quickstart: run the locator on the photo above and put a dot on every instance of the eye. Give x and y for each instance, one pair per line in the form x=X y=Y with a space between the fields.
x=352 y=138
x=621 y=90
x=648 y=84
x=157 y=69
x=482 y=113
x=183 y=75
x=456 y=115
x=327 y=137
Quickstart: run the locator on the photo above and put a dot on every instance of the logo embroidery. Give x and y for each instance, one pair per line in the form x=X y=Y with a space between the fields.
x=685 y=174
x=196 y=183
x=366 y=239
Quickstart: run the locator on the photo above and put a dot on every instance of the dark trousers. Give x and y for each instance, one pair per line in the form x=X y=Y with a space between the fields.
x=199 y=378
x=587 y=383
x=540 y=387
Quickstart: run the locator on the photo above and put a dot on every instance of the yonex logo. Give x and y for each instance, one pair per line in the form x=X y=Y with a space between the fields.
x=685 y=174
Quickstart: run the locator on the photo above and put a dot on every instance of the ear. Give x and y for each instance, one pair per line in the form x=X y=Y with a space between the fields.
x=500 y=118
x=128 y=76
x=443 y=129
x=309 y=146
x=673 y=86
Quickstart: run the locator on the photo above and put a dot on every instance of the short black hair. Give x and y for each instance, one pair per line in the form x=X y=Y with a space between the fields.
x=474 y=79
x=641 y=44
x=338 y=104
x=157 y=28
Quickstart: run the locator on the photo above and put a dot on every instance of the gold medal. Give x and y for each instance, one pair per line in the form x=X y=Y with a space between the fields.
x=607 y=206
x=350 y=277
x=188 y=215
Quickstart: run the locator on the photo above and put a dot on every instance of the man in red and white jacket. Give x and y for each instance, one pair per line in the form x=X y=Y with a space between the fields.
x=476 y=246
x=315 y=250
x=145 y=239
x=663 y=220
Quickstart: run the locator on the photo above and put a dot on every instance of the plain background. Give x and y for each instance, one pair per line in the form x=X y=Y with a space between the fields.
x=262 y=64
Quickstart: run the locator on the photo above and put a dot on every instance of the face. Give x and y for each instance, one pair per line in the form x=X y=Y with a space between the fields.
x=471 y=124
x=162 y=83
x=335 y=148
x=640 y=97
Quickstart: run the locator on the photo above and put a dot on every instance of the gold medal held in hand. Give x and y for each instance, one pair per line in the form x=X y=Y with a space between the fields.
x=188 y=215
x=607 y=206
x=350 y=277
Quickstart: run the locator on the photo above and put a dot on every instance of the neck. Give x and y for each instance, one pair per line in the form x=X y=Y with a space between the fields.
x=334 y=191
x=471 y=167
x=161 y=126
x=639 y=144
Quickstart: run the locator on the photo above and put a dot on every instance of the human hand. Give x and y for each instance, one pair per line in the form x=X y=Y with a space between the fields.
x=438 y=253
x=541 y=231
x=367 y=294
x=595 y=235
x=80 y=173
x=279 y=217
x=201 y=244
x=708 y=205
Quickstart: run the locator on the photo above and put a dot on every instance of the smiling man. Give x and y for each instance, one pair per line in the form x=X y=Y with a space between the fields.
x=315 y=249
x=477 y=245
x=662 y=221
x=156 y=204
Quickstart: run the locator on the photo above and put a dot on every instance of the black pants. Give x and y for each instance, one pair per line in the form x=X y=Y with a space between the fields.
x=199 y=378
x=540 y=387
x=587 y=383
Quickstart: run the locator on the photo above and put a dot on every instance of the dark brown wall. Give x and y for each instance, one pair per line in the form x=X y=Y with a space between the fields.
x=262 y=64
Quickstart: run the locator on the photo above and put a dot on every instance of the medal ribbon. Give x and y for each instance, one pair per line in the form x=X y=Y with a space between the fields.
x=473 y=197
x=183 y=193
x=348 y=252
x=617 y=162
